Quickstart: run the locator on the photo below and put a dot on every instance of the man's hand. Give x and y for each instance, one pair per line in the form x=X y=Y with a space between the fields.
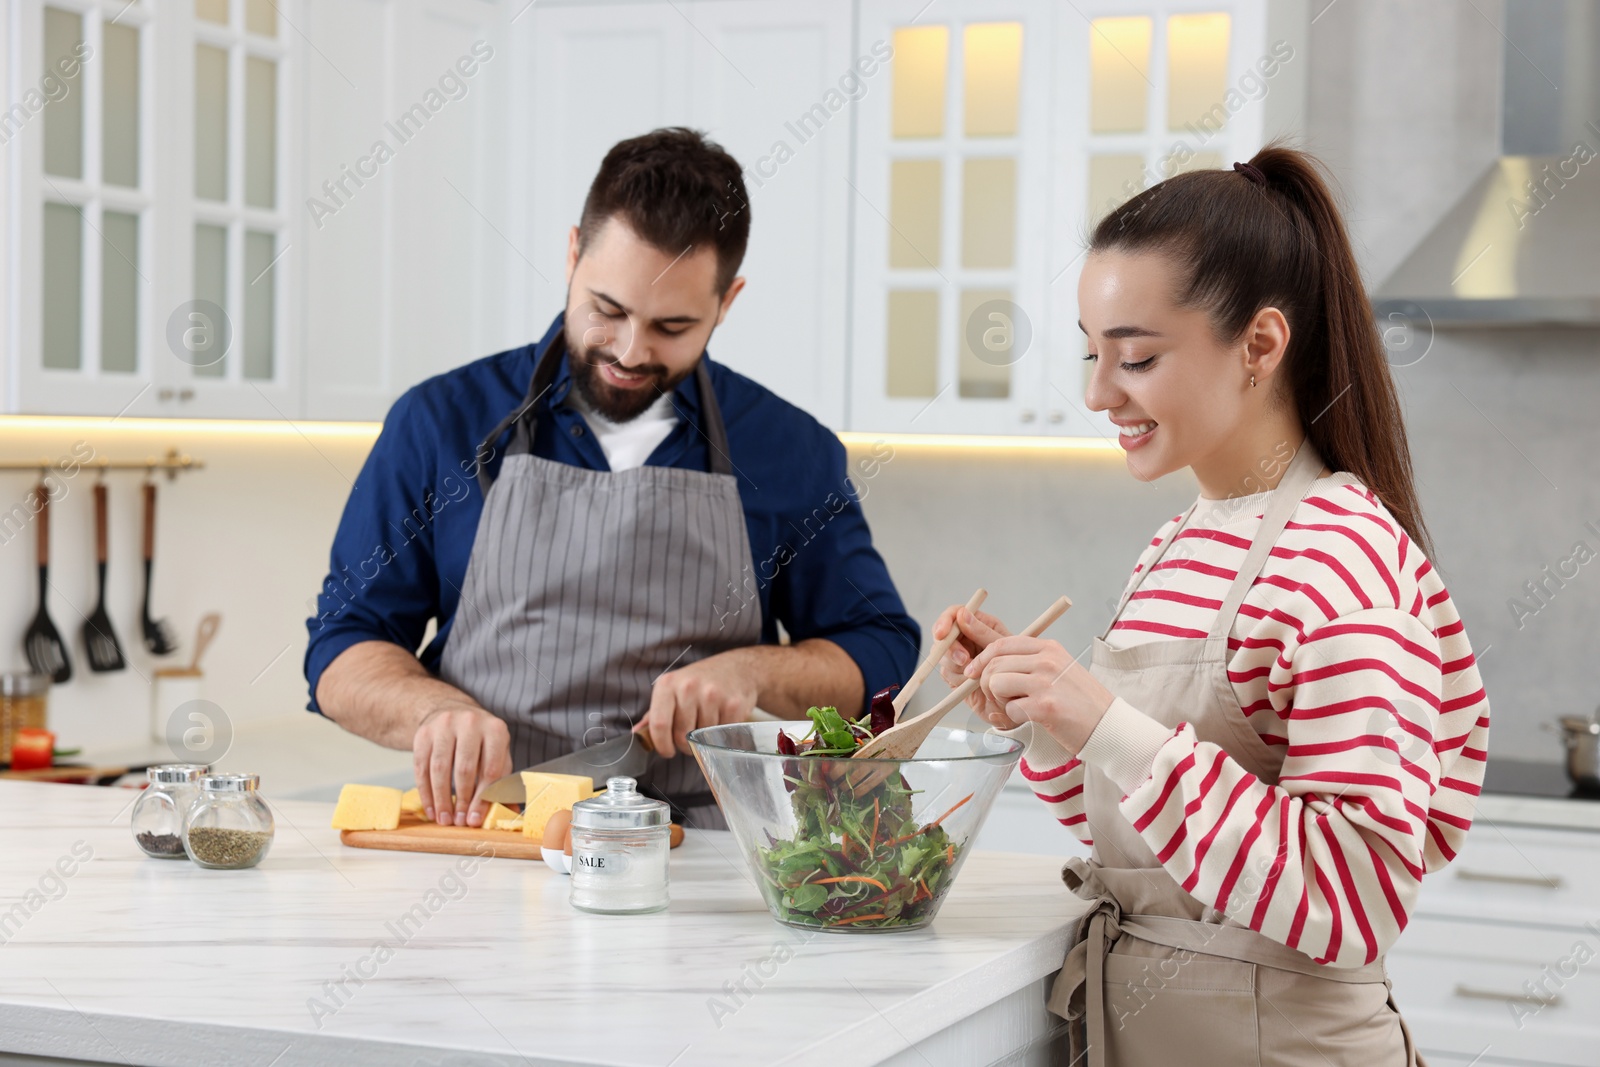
x=462 y=745
x=715 y=690
x=380 y=691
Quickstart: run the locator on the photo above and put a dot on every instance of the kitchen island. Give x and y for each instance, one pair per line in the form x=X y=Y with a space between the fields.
x=326 y=954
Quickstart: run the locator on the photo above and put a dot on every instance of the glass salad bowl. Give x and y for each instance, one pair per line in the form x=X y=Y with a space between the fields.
x=830 y=856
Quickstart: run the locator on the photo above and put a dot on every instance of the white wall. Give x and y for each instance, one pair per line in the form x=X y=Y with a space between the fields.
x=1404 y=105
x=247 y=536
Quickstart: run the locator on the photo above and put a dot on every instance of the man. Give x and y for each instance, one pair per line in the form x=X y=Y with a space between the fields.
x=607 y=526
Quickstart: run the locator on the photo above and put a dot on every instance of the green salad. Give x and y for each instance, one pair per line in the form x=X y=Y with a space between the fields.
x=857 y=860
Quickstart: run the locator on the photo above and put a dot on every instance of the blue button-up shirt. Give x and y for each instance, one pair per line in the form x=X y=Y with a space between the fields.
x=401 y=550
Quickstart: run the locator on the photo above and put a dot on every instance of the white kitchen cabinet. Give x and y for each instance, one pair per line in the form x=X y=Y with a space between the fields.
x=950 y=239
x=1505 y=992
x=61 y=190
x=1501 y=959
x=163 y=172
x=916 y=224
x=345 y=271
x=771 y=82
x=348 y=336
x=1519 y=873
x=594 y=74
x=407 y=163
x=1007 y=130
x=745 y=72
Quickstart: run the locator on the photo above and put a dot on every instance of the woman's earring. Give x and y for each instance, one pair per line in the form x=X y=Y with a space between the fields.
x=1252 y=381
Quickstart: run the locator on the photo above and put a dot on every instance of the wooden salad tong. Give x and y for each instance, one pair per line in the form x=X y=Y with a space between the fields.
x=902 y=740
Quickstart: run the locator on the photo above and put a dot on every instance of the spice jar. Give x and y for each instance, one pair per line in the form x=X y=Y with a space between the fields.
x=228 y=826
x=158 y=813
x=619 y=850
x=22 y=706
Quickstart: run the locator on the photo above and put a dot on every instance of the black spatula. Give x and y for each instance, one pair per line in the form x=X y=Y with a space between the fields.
x=46 y=652
x=105 y=652
x=157 y=633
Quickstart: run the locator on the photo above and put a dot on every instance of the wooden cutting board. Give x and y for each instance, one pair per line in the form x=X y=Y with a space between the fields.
x=415 y=834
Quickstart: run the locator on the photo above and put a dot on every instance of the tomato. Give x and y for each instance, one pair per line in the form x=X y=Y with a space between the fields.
x=32 y=749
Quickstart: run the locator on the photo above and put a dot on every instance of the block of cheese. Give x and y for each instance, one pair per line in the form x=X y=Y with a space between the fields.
x=411 y=801
x=548 y=794
x=367 y=807
x=497 y=816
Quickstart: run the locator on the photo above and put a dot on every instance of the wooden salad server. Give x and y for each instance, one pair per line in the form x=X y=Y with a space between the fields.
x=935 y=654
x=901 y=741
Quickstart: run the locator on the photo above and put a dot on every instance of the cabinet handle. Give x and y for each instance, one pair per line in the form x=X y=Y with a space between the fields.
x=1510 y=998
x=1538 y=881
x=1027 y=415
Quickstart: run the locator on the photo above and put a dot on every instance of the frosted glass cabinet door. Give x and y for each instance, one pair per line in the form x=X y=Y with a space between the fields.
x=226 y=337
x=81 y=231
x=63 y=119
x=952 y=219
x=62 y=289
x=210 y=123
x=119 y=111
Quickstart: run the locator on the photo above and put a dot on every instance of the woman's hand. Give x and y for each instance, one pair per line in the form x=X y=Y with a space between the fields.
x=1029 y=679
x=977 y=631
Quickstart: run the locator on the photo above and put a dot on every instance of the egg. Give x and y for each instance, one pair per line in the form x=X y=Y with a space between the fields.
x=556 y=847
x=558 y=831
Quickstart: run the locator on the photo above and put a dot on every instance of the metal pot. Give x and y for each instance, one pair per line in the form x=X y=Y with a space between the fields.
x=1582 y=740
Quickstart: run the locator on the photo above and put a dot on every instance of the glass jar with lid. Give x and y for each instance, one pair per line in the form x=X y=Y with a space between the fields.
x=22 y=706
x=619 y=850
x=228 y=826
x=158 y=813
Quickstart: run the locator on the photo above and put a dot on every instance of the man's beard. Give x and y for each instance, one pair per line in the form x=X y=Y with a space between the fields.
x=612 y=403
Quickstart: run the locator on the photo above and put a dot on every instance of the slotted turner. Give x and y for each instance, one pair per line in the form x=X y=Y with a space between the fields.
x=46 y=652
x=99 y=639
x=901 y=741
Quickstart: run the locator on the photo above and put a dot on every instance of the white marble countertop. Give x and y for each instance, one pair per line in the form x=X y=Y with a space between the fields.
x=146 y=961
x=1552 y=812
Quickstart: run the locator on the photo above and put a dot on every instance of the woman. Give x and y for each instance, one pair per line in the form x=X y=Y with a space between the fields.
x=1283 y=729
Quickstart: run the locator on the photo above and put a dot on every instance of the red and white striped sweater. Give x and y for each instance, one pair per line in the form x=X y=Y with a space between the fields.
x=1348 y=656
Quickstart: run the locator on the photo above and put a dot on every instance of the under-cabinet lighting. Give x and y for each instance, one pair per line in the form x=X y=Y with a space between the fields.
x=856 y=438
x=312 y=428
x=241 y=427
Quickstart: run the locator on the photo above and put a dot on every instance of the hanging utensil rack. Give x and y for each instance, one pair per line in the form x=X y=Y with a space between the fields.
x=173 y=463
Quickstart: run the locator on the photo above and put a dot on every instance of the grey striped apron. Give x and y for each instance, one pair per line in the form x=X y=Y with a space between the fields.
x=584 y=586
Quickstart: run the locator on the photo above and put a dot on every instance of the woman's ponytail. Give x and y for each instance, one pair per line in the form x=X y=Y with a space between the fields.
x=1275 y=238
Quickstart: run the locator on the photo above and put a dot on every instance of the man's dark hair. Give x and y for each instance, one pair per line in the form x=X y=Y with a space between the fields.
x=677 y=190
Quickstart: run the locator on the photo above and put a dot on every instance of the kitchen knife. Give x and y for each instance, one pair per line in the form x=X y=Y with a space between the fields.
x=627 y=756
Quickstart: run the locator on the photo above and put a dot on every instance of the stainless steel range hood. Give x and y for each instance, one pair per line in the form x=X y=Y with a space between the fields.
x=1518 y=249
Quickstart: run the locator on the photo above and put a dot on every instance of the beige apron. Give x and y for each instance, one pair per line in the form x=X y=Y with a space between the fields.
x=1157 y=977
